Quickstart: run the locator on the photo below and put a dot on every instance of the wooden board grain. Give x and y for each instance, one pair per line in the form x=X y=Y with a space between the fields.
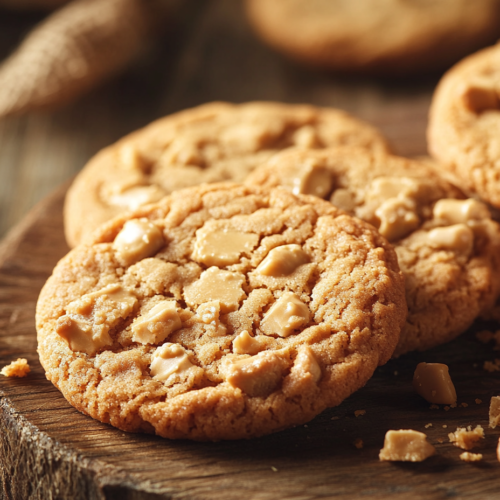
x=50 y=450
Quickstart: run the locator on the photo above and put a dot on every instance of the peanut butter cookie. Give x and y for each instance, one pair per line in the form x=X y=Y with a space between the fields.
x=447 y=246
x=210 y=143
x=221 y=312
x=464 y=123
x=376 y=36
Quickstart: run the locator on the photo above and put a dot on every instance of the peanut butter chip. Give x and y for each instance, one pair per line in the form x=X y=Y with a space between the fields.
x=88 y=320
x=286 y=315
x=406 y=446
x=343 y=199
x=451 y=211
x=458 y=237
x=480 y=95
x=385 y=188
x=135 y=197
x=306 y=363
x=130 y=158
x=221 y=247
x=138 y=239
x=433 y=382
x=312 y=179
x=169 y=359
x=259 y=375
x=245 y=344
x=397 y=218
x=282 y=261
x=208 y=314
x=156 y=325
x=216 y=284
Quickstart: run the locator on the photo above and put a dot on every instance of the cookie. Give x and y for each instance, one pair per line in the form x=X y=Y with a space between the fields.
x=464 y=121
x=376 y=36
x=221 y=312
x=210 y=143
x=447 y=246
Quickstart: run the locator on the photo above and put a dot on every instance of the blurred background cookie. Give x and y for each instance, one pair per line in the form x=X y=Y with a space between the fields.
x=390 y=37
x=211 y=143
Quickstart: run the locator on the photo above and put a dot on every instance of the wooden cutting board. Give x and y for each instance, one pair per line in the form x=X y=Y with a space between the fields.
x=50 y=450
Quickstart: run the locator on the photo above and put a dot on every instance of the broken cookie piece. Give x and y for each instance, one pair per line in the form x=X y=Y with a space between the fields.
x=406 y=445
x=19 y=368
x=466 y=438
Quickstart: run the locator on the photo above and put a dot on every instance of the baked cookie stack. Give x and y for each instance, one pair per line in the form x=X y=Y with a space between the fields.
x=198 y=306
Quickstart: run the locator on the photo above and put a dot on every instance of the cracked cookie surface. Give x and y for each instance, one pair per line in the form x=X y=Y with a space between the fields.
x=211 y=143
x=464 y=120
x=447 y=245
x=221 y=312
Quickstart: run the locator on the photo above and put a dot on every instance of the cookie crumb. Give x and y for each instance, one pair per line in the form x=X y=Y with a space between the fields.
x=454 y=405
x=464 y=405
x=466 y=438
x=445 y=426
x=478 y=401
x=471 y=457
x=427 y=426
x=484 y=336
x=274 y=469
x=494 y=413
x=492 y=366
x=306 y=426
x=434 y=407
x=358 y=443
x=359 y=413
x=19 y=368
x=406 y=445
x=440 y=440
x=446 y=408
x=335 y=418
x=396 y=373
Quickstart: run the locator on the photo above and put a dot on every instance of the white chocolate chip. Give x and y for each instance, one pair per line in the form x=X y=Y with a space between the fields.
x=287 y=314
x=258 y=375
x=458 y=237
x=451 y=211
x=283 y=261
x=134 y=197
x=156 y=325
x=245 y=344
x=216 y=284
x=138 y=239
x=222 y=247
x=397 y=218
x=169 y=359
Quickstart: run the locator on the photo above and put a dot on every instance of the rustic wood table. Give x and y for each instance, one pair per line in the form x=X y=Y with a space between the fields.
x=49 y=450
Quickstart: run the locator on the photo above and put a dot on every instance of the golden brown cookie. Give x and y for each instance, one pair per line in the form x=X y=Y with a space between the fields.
x=464 y=123
x=376 y=36
x=222 y=312
x=211 y=143
x=447 y=246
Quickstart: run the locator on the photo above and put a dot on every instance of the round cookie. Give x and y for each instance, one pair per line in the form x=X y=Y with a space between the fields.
x=376 y=36
x=447 y=246
x=222 y=312
x=211 y=143
x=464 y=122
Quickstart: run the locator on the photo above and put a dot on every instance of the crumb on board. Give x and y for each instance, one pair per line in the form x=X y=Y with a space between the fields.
x=454 y=405
x=359 y=413
x=427 y=426
x=440 y=440
x=434 y=407
x=464 y=405
x=406 y=445
x=445 y=426
x=19 y=368
x=494 y=412
x=335 y=418
x=274 y=469
x=446 y=408
x=466 y=456
x=478 y=401
x=358 y=443
x=466 y=438
x=492 y=366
